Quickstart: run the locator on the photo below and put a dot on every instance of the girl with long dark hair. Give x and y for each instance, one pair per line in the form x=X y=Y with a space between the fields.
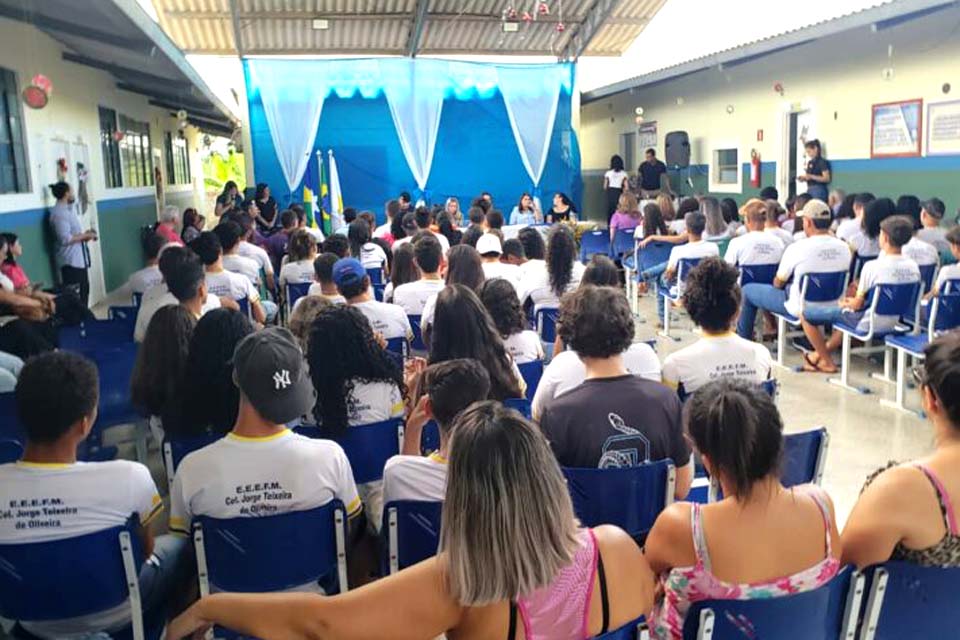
x=500 y=299
x=615 y=183
x=404 y=270
x=370 y=255
x=228 y=199
x=545 y=287
x=563 y=209
x=268 y=222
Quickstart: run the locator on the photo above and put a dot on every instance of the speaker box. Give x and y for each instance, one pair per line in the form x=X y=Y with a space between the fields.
x=677 y=149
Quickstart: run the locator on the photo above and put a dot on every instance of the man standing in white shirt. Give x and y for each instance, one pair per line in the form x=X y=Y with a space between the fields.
x=819 y=252
x=261 y=468
x=227 y=284
x=412 y=296
x=150 y=276
x=490 y=250
x=446 y=390
x=49 y=496
x=755 y=247
x=353 y=284
x=695 y=248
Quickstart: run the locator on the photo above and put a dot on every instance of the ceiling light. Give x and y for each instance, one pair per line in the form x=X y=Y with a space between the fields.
x=511 y=27
x=320 y=24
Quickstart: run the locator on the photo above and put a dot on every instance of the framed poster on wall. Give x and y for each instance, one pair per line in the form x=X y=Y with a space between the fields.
x=895 y=129
x=647 y=135
x=943 y=128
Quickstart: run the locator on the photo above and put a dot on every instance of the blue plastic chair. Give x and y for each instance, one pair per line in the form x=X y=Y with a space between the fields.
x=927 y=274
x=593 y=243
x=417 y=343
x=546 y=319
x=412 y=531
x=273 y=553
x=295 y=291
x=10 y=450
x=909 y=601
x=814 y=287
x=856 y=265
x=684 y=267
x=896 y=300
x=757 y=273
x=827 y=612
x=652 y=255
x=244 y=304
x=771 y=387
x=378 y=290
x=531 y=372
x=376 y=276
x=78 y=576
x=629 y=631
x=430 y=438
x=630 y=497
x=125 y=315
x=95 y=335
x=91 y=450
x=368 y=446
x=519 y=404
x=176 y=449
x=623 y=244
x=115 y=367
x=399 y=346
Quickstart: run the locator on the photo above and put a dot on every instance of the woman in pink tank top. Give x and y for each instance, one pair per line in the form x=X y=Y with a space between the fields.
x=514 y=562
x=761 y=540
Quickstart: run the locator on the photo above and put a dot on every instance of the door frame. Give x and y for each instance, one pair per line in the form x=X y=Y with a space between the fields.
x=783 y=162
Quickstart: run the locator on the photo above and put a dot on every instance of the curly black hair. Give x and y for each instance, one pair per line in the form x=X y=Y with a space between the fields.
x=561 y=252
x=596 y=322
x=343 y=351
x=712 y=295
x=500 y=299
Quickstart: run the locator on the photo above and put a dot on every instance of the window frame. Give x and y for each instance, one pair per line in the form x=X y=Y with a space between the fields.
x=110 y=148
x=177 y=159
x=136 y=154
x=713 y=168
x=14 y=124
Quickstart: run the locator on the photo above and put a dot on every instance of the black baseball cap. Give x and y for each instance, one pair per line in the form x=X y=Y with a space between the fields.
x=271 y=372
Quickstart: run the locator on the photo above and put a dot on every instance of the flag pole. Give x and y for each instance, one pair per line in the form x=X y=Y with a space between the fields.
x=318 y=198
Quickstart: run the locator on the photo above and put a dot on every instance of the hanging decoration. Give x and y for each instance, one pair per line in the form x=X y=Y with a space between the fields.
x=118 y=136
x=36 y=95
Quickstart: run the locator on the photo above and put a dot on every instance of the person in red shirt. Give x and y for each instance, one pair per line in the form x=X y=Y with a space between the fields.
x=9 y=267
x=167 y=227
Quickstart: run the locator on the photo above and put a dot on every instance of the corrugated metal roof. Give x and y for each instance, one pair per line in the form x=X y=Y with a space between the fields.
x=388 y=26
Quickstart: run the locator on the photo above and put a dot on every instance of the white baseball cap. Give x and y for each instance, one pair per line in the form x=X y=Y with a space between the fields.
x=489 y=243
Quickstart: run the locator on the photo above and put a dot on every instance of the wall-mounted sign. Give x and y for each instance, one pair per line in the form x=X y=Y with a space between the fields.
x=895 y=129
x=943 y=128
x=647 y=135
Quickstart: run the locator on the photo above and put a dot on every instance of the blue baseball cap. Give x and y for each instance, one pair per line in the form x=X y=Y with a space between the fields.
x=348 y=271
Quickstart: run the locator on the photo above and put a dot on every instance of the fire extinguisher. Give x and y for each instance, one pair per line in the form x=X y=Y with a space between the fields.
x=754 y=168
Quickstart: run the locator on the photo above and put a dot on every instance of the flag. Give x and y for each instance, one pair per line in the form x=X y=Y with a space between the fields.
x=311 y=190
x=336 y=195
x=324 y=198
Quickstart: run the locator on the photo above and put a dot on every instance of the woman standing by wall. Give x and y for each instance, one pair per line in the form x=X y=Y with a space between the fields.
x=614 y=183
x=817 y=173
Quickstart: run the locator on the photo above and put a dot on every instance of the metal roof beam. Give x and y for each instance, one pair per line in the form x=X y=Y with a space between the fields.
x=580 y=39
x=123 y=72
x=299 y=15
x=235 y=19
x=73 y=29
x=192 y=108
x=159 y=94
x=416 y=31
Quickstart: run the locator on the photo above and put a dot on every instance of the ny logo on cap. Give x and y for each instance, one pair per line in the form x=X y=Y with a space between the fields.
x=281 y=379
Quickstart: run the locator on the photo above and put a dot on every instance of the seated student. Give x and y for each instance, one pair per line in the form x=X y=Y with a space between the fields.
x=490 y=250
x=446 y=228
x=301 y=252
x=462 y=328
x=475 y=217
x=921 y=252
x=678 y=225
x=696 y=247
x=247 y=249
x=471 y=236
x=627 y=216
x=513 y=253
x=370 y=255
x=208 y=396
x=323 y=286
x=909 y=205
x=463 y=267
x=336 y=244
x=905 y=511
x=512 y=549
x=278 y=244
x=301 y=318
x=353 y=283
x=493 y=222
x=761 y=540
x=403 y=269
x=713 y=301
x=446 y=389
x=392 y=211
x=167 y=226
x=561 y=272
x=534 y=252
x=931 y=215
x=949 y=272
x=428 y=256
x=526 y=212
x=227 y=284
x=866 y=242
x=614 y=419
x=755 y=247
x=408 y=229
x=794 y=207
x=193 y=224
x=850 y=227
x=819 y=252
x=500 y=299
x=229 y=234
x=271 y=373
x=772 y=223
x=676 y=233
x=424 y=220
x=150 y=276
x=301 y=214
x=92 y=496
x=160 y=367
x=731 y=216
x=184 y=283
x=715 y=228
x=653 y=223
x=892 y=267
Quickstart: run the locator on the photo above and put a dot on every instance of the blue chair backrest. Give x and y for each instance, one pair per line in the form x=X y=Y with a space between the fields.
x=176 y=449
x=811 y=615
x=758 y=273
x=412 y=531
x=531 y=372
x=519 y=404
x=10 y=450
x=124 y=315
x=10 y=427
x=71 y=577
x=430 y=438
x=770 y=387
x=909 y=601
x=824 y=287
x=594 y=242
x=378 y=290
x=115 y=366
x=630 y=497
x=804 y=455
x=272 y=553
x=295 y=291
x=653 y=254
x=927 y=272
x=896 y=299
x=398 y=346
x=685 y=266
x=244 y=304
x=629 y=631
x=856 y=266
x=375 y=275
x=547 y=323
x=417 y=342
x=945 y=314
x=623 y=242
x=368 y=446
x=93 y=335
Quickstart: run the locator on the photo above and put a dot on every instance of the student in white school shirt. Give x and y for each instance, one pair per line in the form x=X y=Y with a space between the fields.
x=756 y=247
x=141 y=281
x=931 y=215
x=247 y=249
x=948 y=272
x=229 y=235
x=89 y=497
x=324 y=286
x=446 y=389
x=301 y=252
x=891 y=267
x=772 y=223
x=500 y=300
x=370 y=254
x=221 y=282
x=695 y=248
x=852 y=226
x=712 y=299
x=262 y=468
x=866 y=242
x=428 y=256
x=389 y=320
x=490 y=250
x=560 y=274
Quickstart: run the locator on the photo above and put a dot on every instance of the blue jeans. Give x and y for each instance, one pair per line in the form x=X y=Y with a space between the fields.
x=663 y=285
x=653 y=272
x=10 y=366
x=769 y=298
x=270 y=310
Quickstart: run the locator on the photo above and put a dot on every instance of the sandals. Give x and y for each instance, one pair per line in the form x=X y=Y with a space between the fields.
x=814 y=367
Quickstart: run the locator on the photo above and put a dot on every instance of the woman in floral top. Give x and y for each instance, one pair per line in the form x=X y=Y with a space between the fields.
x=762 y=540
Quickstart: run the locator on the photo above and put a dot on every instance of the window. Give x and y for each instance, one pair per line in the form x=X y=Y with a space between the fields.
x=725 y=170
x=135 y=156
x=13 y=153
x=109 y=148
x=178 y=160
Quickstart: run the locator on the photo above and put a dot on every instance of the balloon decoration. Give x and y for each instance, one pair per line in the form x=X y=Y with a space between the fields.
x=36 y=95
x=538 y=10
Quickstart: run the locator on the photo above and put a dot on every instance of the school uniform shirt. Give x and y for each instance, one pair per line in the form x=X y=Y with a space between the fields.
x=863 y=245
x=296 y=272
x=228 y=284
x=536 y=286
x=389 y=319
x=615 y=179
x=257 y=254
x=247 y=267
x=947 y=272
x=142 y=280
x=848 y=228
x=816 y=254
x=371 y=402
x=714 y=357
x=755 y=247
x=442 y=239
x=429 y=310
x=530 y=267
x=157 y=297
x=415 y=478
x=413 y=296
x=524 y=346
x=790 y=225
x=937 y=236
x=887 y=269
x=316 y=289
x=566 y=371
x=615 y=423
x=781 y=234
x=678 y=226
x=372 y=256
x=47 y=502
x=701 y=249
x=509 y=272
x=316 y=234
x=923 y=253
x=383 y=230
